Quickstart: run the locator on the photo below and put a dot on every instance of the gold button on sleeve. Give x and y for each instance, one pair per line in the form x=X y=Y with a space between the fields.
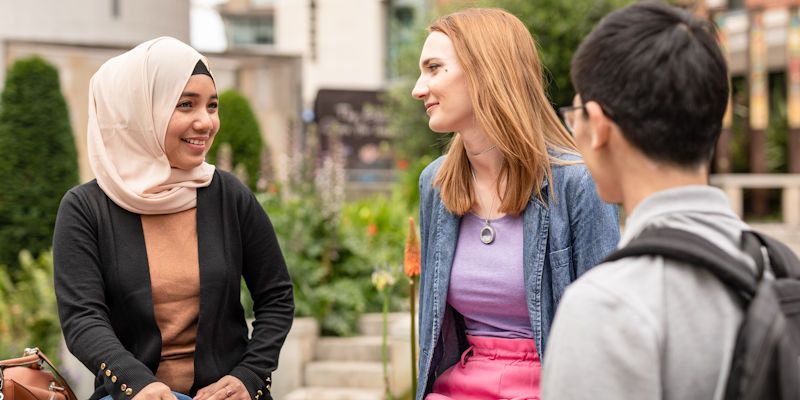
x=129 y=392
x=260 y=392
x=102 y=365
x=108 y=372
x=113 y=379
x=123 y=387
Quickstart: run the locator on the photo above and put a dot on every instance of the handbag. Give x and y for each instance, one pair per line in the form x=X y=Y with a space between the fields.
x=25 y=378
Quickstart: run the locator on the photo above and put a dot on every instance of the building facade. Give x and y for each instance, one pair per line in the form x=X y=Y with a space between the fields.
x=78 y=36
x=349 y=51
x=344 y=44
x=104 y=23
x=761 y=39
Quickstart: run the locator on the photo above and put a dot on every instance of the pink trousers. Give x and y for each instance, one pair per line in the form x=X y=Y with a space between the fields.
x=492 y=369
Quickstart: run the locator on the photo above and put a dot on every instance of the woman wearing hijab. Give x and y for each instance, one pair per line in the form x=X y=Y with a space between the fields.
x=508 y=218
x=148 y=257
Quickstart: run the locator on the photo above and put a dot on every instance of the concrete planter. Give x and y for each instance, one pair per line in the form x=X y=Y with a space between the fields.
x=296 y=352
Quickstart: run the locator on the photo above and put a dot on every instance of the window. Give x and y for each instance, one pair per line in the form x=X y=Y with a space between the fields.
x=404 y=15
x=401 y=33
x=258 y=30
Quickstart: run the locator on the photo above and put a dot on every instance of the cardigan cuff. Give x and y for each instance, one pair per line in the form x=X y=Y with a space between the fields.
x=259 y=387
x=122 y=380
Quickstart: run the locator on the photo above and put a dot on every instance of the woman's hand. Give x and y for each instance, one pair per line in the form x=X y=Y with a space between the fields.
x=155 y=391
x=227 y=388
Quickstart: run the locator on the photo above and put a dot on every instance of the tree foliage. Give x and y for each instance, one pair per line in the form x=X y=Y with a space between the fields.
x=39 y=161
x=239 y=128
x=557 y=27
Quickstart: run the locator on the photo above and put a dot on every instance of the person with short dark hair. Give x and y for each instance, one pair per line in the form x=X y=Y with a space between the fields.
x=652 y=88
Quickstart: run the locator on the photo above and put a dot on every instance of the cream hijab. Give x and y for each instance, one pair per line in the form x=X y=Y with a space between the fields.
x=131 y=100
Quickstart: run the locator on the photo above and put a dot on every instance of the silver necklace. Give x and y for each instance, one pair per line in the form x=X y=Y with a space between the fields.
x=482 y=151
x=487 y=232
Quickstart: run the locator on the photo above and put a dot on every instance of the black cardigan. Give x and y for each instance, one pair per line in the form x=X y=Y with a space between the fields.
x=102 y=284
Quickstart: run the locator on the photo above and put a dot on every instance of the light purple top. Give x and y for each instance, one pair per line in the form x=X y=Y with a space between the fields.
x=487 y=283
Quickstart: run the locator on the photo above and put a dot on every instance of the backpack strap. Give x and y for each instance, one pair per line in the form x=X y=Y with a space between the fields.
x=783 y=261
x=686 y=247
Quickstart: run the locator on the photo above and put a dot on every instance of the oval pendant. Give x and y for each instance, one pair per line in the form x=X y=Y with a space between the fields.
x=487 y=234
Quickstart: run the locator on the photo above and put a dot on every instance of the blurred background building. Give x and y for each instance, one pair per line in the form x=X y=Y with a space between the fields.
x=349 y=51
x=762 y=42
x=79 y=36
x=332 y=79
x=761 y=132
x=330 y=63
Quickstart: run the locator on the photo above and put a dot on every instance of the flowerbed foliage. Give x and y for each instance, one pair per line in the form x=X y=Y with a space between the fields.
x=331 y=254
x=28 y=313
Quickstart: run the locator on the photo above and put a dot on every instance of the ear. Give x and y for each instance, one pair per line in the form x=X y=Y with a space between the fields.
x=600 y=125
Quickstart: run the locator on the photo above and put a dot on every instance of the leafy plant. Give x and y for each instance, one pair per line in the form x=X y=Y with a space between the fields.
x=239 y=129
x=740 y=141
x=39 y=162
x=777 y=146
x=28 y=311
x=411 y=268
x=332 y=247
x=331 y=261
x=383 y=279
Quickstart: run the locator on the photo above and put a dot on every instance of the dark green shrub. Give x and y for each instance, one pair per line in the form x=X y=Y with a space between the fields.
x=239 y=128
x=38 y=162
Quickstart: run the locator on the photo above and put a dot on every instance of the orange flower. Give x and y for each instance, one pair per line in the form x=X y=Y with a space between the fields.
x=402 y=164
x=372 y=230
x=411 y=260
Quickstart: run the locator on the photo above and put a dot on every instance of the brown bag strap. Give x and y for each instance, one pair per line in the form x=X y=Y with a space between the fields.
x=67 y=390
x=23 y=361
x=35 y=356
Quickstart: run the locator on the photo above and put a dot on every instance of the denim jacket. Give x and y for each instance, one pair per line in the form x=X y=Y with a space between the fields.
x=573 y=232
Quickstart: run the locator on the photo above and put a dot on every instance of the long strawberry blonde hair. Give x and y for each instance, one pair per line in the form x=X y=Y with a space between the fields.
x=504 y=79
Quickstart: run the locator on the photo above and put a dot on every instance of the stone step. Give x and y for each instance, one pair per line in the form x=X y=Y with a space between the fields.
x=335 y=393
x=371 y=324
x=357 y=348
x=351 y=374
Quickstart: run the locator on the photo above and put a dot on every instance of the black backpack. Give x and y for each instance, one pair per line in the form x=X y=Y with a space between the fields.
x=766 y=363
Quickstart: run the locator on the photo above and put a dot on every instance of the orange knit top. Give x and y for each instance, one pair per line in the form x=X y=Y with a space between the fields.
x=171 y=242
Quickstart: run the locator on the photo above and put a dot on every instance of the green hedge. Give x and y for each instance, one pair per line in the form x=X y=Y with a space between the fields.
x=38 y=163
x=239 y=128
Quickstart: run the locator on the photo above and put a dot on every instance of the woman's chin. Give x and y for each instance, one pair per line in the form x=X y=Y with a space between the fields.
x=186 y=165
x=439 y=128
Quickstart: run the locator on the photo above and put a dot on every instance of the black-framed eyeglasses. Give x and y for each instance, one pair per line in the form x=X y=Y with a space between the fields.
x=568 y=116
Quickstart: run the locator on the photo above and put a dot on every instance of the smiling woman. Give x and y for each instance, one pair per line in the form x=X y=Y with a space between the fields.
x=508 y=218
x=148 y=258
x=194 y=123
